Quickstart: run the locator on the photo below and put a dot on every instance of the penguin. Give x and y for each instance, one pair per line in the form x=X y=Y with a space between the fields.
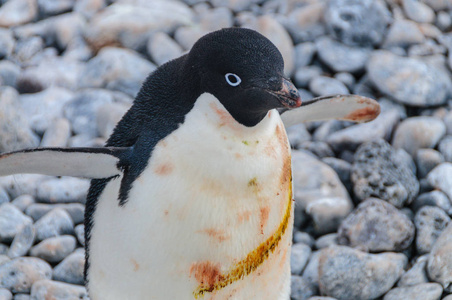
x=191 y=198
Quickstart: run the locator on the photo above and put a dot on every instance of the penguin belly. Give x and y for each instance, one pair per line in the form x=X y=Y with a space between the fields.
x=210 y=217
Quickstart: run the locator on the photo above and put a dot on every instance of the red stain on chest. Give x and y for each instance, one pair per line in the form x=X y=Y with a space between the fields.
x=263 y=215
x=216 y=234
x=206 y=273
x=164 y=169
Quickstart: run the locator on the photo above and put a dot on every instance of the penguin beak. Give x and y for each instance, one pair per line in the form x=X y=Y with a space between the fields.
x=288 y=95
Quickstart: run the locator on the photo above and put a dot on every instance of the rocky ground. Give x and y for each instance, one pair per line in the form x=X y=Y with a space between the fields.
x=373 y=201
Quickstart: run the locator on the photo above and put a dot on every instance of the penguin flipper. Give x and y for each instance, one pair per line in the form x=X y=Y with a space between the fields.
x=337 y=107
x=77 y=162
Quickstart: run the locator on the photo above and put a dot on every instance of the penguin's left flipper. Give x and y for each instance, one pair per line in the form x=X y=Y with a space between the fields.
x=78 y=162
x=338 y=107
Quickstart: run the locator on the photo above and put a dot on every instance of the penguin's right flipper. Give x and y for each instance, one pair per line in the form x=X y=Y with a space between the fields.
x=77 y=162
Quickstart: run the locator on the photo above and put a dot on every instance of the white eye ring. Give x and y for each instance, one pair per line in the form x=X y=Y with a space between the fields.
x=235 y=79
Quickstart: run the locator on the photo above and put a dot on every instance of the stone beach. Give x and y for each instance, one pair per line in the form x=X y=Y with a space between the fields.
x=373 y=201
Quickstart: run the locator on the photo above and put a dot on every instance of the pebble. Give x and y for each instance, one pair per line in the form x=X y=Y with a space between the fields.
x=17 y=12
x=116 y=69
x=321 y=298
x=75 y=210
x=327 y=128
x=445 y=148
x=311 y=271
x=5 y=294
x=304 y=75
x=346 y=78
x=15 y=133
x=322 y=85
x=23 y=201
x=441 y=178
x=22 y=242
x=340 y=57
x=351 y=137
x=41 y=109
x=7 y=43
x=18 y=185
x=4 y=258
x=51 y=7
x=300 y=288
x=162 y=48
x=318 y=148
x=361 y=23
x=437 y=4
x=54 y=249
x=319 y=192
x=427 y=160
x=130 y=25
x=108 y=115
x=4 y=197
x=49 y=289
x=304 y=52
x=376 y=225
x=80 y=234
x=403 y=33
x=326 y=240
x=88 y=8
x=342 y=169
x=423 y=291
x=22 y=297
x=54 y=223
x=70 y=270
x=433 y=198
x=417 y=274
x=27 y=48
x=57 y=134
x=418 y=11
x=19 y=274
x=68 y=30
x=418 y=132
x=298 y=134
x=447 y=121
x=409 y=81
x=346 y=273
x=299 y=257
x=443 y=20
x=12 y=220
x=379 y=172
x=439 y=265
x=430 y=221
x=63 y=190
x=8 y=70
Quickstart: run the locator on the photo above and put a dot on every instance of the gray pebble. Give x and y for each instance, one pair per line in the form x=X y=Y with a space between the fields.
x=448 y=122
x=186 y=36
x=345 y=273
x=326 y=129
x=403 y=33
x=15 y=133
x=162 y=48
x=108 y=115
x=6 y=43
x=346 y=78
x=63 y=190
x=342 y=168
x=326 y=241
x=299 y=257
x=379 y=172
x=304 y=52
x=423 y=291
x=445 y=147
x=298 y=134
x=88 y=8
x=410 y=81
x=427 y=160
x=340 y=57
x=418 y=11
x=300 y=288
x=441 y=178
x=70 y=270
x=8 y=72
x=376 y=226
x=50 y=7
x=75 y=210
x=23 y=201
x=4 y=197
x=54 y=249
x=430 y=47
x=54 y=223
x=361 y=23
x=22 y=242
x=117 y=69
x=439 y=265
x=430 y=221
x=351 y=137
x=216 y=18
x=57 y=134
x=12 y=220
x=49 y=289
x=85 y=140
x=22 y=297
x=304 y=75
x=305 y=23
x=17 y=12
x=322 y=85
x=19 y=274
x=5 y=294
x=418 y=132
x=80 y=233
x=311 y=271
x=26 y=48
x=321 y=298
x=417 y=274
x=318 y=148
x=433 y=198
x=437 y=4
x=3 y=252
x=303 y=238
x=41 y=109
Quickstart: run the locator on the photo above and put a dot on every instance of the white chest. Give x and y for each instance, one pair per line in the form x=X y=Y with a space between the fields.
x=209 y=218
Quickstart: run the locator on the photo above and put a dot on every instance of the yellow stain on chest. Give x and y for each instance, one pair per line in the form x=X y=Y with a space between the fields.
x=211 y=277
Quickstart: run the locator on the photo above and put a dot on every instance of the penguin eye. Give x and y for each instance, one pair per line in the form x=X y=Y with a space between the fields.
x=232 y=79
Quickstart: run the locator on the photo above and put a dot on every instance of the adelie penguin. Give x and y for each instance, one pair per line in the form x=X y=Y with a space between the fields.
x=191 y=197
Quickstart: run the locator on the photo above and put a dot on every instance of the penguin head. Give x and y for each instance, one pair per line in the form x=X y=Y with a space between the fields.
x=244 y=71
